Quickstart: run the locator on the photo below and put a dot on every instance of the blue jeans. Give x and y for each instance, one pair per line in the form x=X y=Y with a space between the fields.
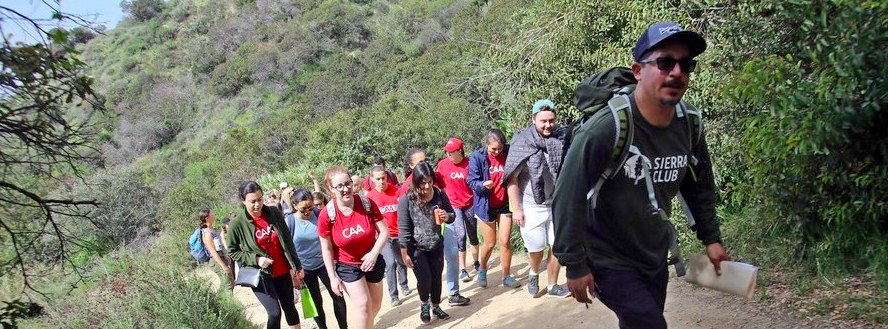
x=451 y=254
x=395 y=270
x=638 y=301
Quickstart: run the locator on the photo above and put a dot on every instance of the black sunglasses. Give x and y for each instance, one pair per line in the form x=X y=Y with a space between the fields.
x=666 y=64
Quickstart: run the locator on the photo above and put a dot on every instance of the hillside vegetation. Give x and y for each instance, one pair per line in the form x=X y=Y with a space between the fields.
x=203 y=94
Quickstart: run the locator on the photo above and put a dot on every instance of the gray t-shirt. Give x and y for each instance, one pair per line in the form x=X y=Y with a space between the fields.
x=527 y=188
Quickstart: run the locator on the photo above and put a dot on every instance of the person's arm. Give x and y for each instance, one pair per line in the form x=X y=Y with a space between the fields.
x=314 y=181
x=514 y=193
x=237 y=240
x=447 y=207
x=382 y=229
x=224 y=236
x=405 y=230
x=327 y=254
x=583 y=164
x=405 y=223
x=475 y=179
x=700 y=196
x=207 y=239
x=325 y=230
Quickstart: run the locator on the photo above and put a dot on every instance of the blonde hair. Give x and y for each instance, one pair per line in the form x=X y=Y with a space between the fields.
x=328 y=177
x=285 y=197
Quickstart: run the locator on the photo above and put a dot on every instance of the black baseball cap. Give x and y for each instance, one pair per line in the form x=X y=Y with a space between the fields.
x=663 y=31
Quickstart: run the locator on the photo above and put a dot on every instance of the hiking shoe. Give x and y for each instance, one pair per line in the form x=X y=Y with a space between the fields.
x=464 y=276
x=510 y=282
x=395 y=301
x=440 y=313
x=482 y=278
x=458 y=300
x=559 y=291
x=406 y=291
x=424 y=313
x=477 y=266
x=533 y=284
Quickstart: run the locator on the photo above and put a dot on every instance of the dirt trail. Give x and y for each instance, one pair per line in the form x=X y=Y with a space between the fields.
x=687 y=306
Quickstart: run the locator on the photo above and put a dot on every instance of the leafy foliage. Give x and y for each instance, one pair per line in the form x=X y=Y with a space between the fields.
x=820 y=125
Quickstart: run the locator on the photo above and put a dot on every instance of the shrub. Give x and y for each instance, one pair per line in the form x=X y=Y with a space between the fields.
x=229 y=77
x=817 y=148
x=142 y=10
x=147 y=287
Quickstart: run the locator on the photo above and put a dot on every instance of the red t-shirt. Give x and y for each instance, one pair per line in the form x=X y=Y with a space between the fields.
x=498 y=194
x=353 y=235
x=406 y=186
x=387 y=201
x=369 y=184
x=268 y=241
x=452 y=178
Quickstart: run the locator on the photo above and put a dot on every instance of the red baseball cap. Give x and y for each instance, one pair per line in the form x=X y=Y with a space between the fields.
x=453 y=144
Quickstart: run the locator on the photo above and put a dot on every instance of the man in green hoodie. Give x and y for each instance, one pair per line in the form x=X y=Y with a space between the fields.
x=617 y=248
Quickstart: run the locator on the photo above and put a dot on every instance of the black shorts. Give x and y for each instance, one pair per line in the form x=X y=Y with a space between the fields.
x=494 y=213
x=352 y=273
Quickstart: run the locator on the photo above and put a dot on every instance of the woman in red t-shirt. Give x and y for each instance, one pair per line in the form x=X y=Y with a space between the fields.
x=260 y=239
x=486 y=169
x=353 y=234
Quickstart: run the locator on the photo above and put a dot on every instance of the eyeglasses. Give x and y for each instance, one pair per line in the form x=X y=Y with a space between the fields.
x=304 y=210
x=344 y=186
x=666 y=64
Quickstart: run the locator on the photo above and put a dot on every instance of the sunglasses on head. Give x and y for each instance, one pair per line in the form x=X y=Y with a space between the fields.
x=666 y=64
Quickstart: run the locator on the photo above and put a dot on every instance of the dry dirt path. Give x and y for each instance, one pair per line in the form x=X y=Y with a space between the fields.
x=687 y=306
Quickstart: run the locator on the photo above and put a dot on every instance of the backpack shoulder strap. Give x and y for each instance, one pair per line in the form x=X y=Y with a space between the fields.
x=694 y=123
x=624 y=131
x=331 y=211
x=365 y=202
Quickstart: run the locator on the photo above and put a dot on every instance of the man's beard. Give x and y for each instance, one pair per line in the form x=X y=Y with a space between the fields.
x=674 y=83
x=669 y=101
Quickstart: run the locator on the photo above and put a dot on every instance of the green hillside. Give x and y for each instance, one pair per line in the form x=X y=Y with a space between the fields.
x=204 y=94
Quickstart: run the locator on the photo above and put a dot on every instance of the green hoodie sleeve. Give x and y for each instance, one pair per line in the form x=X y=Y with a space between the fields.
x=237 y=240
x=701 y=196
x=583 y=164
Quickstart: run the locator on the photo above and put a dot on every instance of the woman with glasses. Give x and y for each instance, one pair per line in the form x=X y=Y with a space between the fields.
x=261 y=239
x=303 y=224
x=353 y=234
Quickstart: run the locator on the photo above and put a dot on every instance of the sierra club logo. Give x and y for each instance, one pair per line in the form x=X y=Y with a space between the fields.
x=662 y=169
x=636 y=167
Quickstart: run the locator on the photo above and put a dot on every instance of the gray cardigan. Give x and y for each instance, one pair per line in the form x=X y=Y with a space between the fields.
x=417 y=228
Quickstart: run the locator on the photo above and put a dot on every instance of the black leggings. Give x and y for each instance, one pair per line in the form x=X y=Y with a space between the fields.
x=276 y=294
x=311 y=281
x=428 y=267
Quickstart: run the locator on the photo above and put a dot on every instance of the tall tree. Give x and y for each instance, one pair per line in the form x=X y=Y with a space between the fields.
x=46 y=101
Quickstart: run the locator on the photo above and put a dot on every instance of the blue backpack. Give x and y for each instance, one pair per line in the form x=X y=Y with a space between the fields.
x=198 y=251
